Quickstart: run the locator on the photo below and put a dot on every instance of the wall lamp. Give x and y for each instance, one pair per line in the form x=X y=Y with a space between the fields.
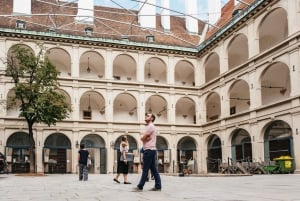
x=112 y=144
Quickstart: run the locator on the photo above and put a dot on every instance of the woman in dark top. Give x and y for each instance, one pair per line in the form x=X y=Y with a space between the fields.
x=83 y=156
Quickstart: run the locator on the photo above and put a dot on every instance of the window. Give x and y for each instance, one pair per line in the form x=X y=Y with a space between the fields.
x=232 y=110
x=88 y=31
x=52 y=30
x=87 y=114
x=150 y=38
x=20 y=24
x=117 y=77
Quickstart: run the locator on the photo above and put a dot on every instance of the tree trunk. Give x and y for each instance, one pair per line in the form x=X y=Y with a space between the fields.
x=31 y=148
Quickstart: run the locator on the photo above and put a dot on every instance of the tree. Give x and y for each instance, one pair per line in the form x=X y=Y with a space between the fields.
x=36 y=88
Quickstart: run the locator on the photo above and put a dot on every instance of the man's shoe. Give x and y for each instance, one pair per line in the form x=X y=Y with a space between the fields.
x=155 y=189
x=126 y=182
x=137 y=189
x=116 y=181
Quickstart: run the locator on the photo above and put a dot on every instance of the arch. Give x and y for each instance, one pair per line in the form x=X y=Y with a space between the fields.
x=133 y=147
x=91 y=65
x=184 y=73
x=273 y=28
x=155 y=70
x=57 y=140
x=239 y=97
x=241 y=147
x=17 y=152
x=57 y=154
x=163 y=153
x=161 y=143
x=238 y=51
x=214 y=153
x=131 y=140
x=186 y=152
x=92 y=106
x=18 y=139
x=275 y=83
x=125 y=107
x=93 y=141
x=156 y=104
x=67 y=96
x=12 y=105
x=185 y=111
x=10 y=52
x=187 y=143
x=213 y=106
x=124 y=68
x=212 y=67
x=278 y=140
x=95 y=144
x=61 y=59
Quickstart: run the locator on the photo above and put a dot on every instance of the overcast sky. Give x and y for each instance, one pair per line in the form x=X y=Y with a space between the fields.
x=177 y=5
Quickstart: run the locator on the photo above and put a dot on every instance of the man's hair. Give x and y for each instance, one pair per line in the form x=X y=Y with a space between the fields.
x=82 y=146
x=152 y=116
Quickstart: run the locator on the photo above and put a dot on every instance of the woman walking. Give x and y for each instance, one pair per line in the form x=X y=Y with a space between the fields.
x=122 y=166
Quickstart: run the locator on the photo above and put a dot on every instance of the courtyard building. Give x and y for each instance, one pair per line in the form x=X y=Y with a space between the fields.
x=223 y=90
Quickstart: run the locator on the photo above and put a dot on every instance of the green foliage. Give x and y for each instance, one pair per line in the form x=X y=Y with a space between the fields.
x=36 y=87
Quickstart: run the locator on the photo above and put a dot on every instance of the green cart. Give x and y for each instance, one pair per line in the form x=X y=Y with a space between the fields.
x=283 y=164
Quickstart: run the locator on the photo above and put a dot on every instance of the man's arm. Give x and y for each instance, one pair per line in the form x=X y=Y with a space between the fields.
x=145 y=137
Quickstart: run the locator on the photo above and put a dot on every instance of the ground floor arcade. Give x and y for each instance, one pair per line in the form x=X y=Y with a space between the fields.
x=198 y=153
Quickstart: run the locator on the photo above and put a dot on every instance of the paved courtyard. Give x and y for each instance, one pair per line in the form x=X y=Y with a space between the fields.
x=66 y=187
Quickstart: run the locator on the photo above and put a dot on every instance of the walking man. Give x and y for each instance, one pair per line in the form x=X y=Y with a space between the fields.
x=149 y=156
x=83 y=156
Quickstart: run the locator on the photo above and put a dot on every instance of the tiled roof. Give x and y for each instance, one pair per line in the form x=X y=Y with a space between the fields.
x=226 y=15
x=109 y=23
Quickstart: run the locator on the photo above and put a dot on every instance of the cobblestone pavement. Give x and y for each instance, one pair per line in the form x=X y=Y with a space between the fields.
x=66 y=187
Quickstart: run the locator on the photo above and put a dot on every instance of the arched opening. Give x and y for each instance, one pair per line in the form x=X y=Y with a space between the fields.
x=214 y=154
x=61 y=60
x=155 y=71
x=163 y=154
x=275 y=83
x=133 y=148
x=239 y=97
x=157 y=105
x=186 y=155
x=241 y=147
x=57 y=154
x=12 y=105
x=92 y=65
x=184 y=74
x=278 y=140
x=125 y=107
x=185 y=111
x=273 y=29
x=124 y=68
x=17 y=153
x=213 y=107
x=238 y=51
x=92 y=106
x=96 y=147
x=212 y=67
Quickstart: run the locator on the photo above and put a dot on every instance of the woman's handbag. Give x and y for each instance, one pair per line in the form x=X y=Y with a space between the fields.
x=129 y=157
x=89 y=162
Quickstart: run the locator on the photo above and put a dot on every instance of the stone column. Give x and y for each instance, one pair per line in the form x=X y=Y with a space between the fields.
x=109 y=64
